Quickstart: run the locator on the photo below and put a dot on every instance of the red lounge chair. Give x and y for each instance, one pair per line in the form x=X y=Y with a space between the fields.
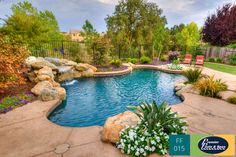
x=199 y=60
x=187 y=59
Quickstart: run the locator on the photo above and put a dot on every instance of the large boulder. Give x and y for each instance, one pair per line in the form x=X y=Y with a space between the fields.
x=68 y=62
x=179 y=85
x=44 y=74
x=48 y=94
x=30 y=60
x=49 y=90
x=69 y=75
x=81 y=67
x=55 y=61
x=40 y=63
x=114 y=125
x=31 y=75
x=39 y=87
x=188 y=88
x=91 y=67
x=61 y=93
x=87 y=73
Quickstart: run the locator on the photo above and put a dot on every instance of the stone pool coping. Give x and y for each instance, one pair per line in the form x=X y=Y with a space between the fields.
x=131 y=67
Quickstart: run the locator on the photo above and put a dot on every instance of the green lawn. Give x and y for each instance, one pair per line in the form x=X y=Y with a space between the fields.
x=221 y=67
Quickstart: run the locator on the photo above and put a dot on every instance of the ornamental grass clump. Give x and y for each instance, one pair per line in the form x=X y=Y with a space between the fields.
x=193 y=75
x=210 y=87
x=152 y=132
x=232 y=99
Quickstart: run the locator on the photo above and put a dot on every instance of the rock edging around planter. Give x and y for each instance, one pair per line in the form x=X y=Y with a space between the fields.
x=131 y=67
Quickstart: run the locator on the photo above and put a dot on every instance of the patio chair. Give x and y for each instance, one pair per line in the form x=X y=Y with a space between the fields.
x=199 y=60
x=187 y=59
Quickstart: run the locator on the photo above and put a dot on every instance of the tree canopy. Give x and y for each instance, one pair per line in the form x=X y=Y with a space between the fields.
x=27 y=24
x=189 y=37
x=133 y=24
x=220 y=28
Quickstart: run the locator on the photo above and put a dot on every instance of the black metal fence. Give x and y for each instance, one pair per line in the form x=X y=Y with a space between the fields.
x=59 y=49
x=74 y=50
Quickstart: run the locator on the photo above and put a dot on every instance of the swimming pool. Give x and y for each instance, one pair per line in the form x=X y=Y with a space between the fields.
x=91 y=100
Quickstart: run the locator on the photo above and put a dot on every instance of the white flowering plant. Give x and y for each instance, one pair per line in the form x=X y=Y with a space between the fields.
x=152 y=132
x=175 y=66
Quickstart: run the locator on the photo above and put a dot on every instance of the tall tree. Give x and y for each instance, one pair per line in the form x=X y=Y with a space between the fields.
x=133 y=24
x=173 y=36
x=27 y=24
x=88 y=32
x=189 y=37
x=160 y=39
x=220 y=28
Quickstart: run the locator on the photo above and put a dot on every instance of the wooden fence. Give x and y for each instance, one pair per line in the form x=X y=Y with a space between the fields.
x=218 y=52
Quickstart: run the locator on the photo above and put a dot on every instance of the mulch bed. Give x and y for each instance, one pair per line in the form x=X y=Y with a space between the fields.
x=17 y=89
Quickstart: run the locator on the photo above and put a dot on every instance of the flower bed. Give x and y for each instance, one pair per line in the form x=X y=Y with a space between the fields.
x=175 y=66
x=152 y=132
x=11 y=102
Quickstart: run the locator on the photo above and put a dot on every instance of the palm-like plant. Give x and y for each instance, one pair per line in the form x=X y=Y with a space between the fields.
x=193 y=75
x=153 y=114
x=210 y=87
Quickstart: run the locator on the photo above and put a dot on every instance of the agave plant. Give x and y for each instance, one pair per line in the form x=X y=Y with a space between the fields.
x=153 y=114
x=193 y=75
x=210 y=87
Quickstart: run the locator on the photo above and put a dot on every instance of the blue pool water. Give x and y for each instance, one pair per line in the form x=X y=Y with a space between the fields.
x=91 y=100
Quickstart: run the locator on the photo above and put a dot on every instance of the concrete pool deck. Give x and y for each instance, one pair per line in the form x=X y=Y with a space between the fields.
x=26 y=131
x=230 y=79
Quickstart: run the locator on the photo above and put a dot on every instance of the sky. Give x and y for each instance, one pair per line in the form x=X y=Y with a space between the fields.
x=71 y=14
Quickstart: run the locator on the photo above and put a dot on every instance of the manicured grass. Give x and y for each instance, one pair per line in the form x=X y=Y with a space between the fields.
x=221 y=67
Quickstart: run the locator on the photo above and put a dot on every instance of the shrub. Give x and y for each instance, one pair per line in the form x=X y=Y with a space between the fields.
x=211 y=60
x=151 y=134
x=145 y=60
x=232 y=99
x=164 y=58
x=210 y=87
x=116 y=62
x=175 y=62
x=233 y=46
x=232 y=59
x=173 y=55
x=193 y=75
x=11 y=60
x=219 y=60
x=197 y=51
x=133 y=60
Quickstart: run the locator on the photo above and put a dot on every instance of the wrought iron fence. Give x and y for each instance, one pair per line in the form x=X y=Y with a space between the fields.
x=74 y=50
x=59 y=49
